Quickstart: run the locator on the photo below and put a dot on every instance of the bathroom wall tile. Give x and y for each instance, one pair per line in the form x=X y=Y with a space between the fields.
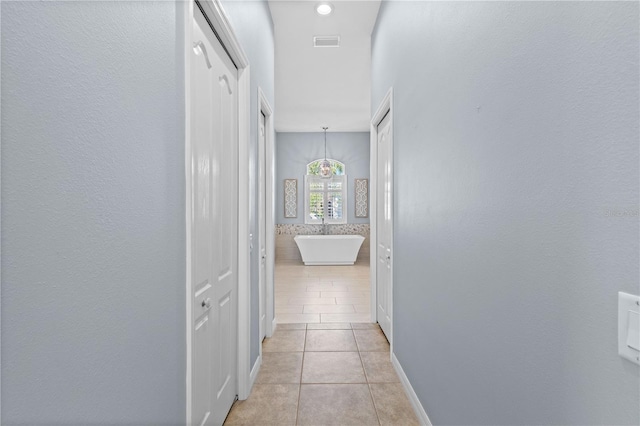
x=343 y=229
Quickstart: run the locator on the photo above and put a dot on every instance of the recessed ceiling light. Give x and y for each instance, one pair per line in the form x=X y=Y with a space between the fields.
x=324 y=9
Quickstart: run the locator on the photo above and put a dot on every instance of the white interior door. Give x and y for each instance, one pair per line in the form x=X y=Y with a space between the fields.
x=262 y=224
x=214 y=128
x=383 y=226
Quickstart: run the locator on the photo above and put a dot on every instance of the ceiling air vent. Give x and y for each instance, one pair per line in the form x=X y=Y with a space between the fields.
x=326 y=41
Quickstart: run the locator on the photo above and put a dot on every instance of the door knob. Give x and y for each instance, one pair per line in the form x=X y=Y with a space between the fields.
x=206 y=303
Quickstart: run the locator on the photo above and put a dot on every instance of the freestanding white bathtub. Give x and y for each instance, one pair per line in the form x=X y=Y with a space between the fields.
x=329 y=249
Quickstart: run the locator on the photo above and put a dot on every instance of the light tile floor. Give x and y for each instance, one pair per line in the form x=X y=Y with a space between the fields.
x=322 y=294
x=325 y=374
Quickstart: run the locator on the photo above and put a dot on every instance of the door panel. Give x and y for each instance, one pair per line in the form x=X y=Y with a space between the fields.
x=224 y=373
x=214 y=232
x=202 y=381
x=383 y=227
x=202 y=154
x=262 y=215
x=226 y=252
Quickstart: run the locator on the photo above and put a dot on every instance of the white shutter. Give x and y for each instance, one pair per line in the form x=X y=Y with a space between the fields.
x=336 y=196
x=325 y=198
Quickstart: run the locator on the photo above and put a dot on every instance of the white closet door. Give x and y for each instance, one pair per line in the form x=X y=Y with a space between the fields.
x=262 y=224
x=383 y=226
x=214 y=159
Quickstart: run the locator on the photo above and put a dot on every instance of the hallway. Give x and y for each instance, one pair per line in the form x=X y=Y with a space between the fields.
x=513 y=213
x=325 y=374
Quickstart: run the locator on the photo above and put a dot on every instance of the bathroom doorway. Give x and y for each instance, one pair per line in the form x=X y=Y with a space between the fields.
x=321 y=294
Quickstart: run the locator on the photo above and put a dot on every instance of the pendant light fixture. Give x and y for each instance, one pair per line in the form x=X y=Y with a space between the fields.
x=325 y=165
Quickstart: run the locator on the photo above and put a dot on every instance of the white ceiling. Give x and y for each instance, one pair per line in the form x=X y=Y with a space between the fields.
x=315 y=86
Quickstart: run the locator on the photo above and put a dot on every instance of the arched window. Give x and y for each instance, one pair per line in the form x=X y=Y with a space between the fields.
x=325 y=199
x=313 y=168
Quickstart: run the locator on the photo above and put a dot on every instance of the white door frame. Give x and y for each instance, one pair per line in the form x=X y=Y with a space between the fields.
x=269 y=152
x=222 y=25
x=386 y=106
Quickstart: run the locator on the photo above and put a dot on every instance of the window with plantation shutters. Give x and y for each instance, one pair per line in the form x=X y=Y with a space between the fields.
x=325 y=198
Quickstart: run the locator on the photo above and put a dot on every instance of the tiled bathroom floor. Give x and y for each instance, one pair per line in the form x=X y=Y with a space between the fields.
x=322 y=294
x=325 y=374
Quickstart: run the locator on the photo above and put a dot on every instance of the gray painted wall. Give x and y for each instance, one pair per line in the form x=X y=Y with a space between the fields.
x=252 y=24
x=295 y=150
x=516 y=138
x=93 y=213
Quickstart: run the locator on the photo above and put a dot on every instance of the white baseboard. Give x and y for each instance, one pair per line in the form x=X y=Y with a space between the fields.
x=274 y=324
x=254 y=373
x=413 y=398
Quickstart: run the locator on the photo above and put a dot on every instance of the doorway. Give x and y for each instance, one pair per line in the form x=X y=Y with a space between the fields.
x=382 y=217
x=266 y=227
x=322 y=293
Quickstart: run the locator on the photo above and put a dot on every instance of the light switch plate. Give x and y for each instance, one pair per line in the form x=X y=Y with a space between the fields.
x=629 y=326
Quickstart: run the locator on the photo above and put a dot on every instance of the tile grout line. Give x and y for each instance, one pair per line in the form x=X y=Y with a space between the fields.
x=304 y=346
x=375 y=409
x=373 y=401
x=365 y=373
x=366 y=376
